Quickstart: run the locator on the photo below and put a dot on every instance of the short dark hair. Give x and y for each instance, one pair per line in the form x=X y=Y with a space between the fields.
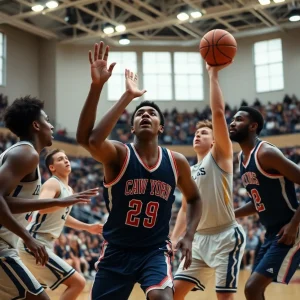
x=151 y=104
x=21 y=113
x=49 y=158
x=255 y=116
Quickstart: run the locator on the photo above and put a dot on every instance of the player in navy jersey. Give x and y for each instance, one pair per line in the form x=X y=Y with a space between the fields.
x=140 y=179
x=269 y=178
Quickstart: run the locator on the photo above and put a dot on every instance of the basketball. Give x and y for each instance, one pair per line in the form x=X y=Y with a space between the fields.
x=218 y=47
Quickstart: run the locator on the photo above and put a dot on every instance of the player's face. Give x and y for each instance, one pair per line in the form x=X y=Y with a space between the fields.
x=61 y=164
x=203 y=139
x=45 y=129
x=146 y=121
x=239 y=127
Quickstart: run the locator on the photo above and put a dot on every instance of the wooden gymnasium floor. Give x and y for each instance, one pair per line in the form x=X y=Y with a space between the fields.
x=274 y=292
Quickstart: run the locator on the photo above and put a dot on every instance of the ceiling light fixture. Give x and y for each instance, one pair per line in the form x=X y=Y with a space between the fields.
x=52 y=4
x=183 y=16
x=278 y=1
x=294 y=15
x=108 y=29
x=196 y=14
x=37 y=7
x=264 y=2
x=120 y=28
x=124 y=40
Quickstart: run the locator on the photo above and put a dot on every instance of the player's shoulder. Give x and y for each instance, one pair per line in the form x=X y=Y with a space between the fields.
x=24 y=154
x=52 y=184
x=266 y=150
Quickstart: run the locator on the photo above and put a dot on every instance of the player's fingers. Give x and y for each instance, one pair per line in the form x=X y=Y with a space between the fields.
x=111 y=67
x=90 y=57
x=44 y=255
x=187 y=262
x=100 y=54
x=106 y=53
x=37 y=257
x=96 y=47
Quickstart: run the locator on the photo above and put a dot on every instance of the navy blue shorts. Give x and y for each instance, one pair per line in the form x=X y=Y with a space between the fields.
x=120 y=269
x=278 y=261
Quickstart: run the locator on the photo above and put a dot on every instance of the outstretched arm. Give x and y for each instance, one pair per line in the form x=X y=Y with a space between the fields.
x=76 y=224
x=190 y=192
x=100 y=74
x=246 y=210
x=222 y=149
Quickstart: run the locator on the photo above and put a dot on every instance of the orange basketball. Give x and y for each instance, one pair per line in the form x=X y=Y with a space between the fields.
x=218 y=47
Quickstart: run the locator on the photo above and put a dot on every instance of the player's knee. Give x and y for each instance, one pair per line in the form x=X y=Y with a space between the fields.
x=251 y=289
x=166 y=294
x=76 y=281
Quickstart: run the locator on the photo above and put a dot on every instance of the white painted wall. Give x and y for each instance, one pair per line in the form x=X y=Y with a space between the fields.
x=60 y=74
x=22 y=64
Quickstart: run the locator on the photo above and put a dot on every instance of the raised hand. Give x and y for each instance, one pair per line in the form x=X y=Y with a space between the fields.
x=99 y=72
x=215 y=69
x=38 y=250
x=131 y=84
x=82 y=197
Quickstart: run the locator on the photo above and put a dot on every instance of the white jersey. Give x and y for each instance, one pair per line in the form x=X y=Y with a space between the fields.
x=215 y=187
x=29 y=190
x=50 y=225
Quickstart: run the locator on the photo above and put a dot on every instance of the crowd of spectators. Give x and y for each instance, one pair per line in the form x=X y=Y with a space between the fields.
x=280 y=118
x=82 y=250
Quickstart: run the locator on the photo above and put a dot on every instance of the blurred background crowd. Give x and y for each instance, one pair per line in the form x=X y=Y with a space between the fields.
x=81 y=249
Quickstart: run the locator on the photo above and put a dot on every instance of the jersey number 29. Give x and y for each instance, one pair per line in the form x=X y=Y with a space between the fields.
x=257 y=200
x=132 y=218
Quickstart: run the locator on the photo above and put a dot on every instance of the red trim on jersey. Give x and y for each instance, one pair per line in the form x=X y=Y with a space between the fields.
x=261 y=170
x=175 y=164
x=103 y=248
x=159 y=157
x=125 y=163
x=168 y=277
x=248 y=160
x=289 y=265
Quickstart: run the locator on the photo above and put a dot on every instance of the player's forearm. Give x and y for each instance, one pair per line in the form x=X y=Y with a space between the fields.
x=296 y=218
x=75 y=224
x=246 y=210
x=180 y=225
x=193 y=216
x=110 y=119
x=49 y=210
x=21 y=205
x=217 y=104
x=88 y=115
x=8 y=221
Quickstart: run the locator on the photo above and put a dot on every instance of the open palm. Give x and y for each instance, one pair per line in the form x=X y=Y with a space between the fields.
x=99 y=71
x=132 y=84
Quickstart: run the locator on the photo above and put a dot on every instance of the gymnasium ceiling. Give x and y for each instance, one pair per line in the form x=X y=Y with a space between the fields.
x=148 y=22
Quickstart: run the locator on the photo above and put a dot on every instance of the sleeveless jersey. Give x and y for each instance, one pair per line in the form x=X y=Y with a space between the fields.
x=274 y=196
x=50 y=225
x=140 y=201
x=29 y=190
x=215 y=187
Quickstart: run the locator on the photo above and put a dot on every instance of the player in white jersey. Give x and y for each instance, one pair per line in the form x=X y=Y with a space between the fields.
x=20 y=179
x=219 y=241
x=46 y=225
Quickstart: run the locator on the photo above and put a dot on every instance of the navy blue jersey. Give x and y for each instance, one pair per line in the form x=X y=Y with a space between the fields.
x=140 y=201
x=274 y=195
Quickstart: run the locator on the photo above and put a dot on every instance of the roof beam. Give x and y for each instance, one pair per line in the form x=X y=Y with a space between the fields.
x=211 y=13
x=27 y=27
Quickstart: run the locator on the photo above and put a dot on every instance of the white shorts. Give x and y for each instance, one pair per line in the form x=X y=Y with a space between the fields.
x=55 y=272
x=220 y=253
x=15 y=278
